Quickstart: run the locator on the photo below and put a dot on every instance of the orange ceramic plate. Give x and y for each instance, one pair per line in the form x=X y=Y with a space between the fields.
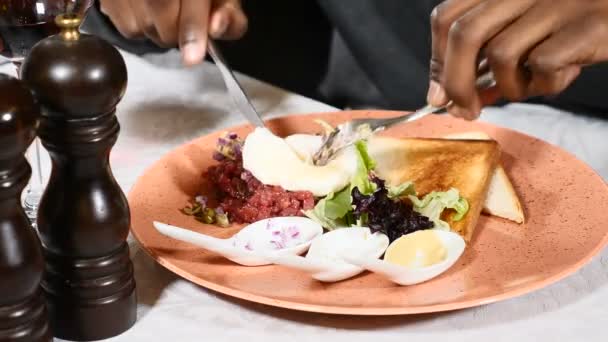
x=564 y=201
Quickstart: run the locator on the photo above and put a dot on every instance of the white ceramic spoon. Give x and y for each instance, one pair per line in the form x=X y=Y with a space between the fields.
x=323 y=260
x=402 y=275
x=254 y=243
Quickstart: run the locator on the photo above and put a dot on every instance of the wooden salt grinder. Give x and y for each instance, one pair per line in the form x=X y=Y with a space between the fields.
x=83 y=219
x=23 y=314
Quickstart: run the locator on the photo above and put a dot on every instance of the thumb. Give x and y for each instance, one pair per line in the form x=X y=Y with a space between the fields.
x=193 y=30
x=436 y=95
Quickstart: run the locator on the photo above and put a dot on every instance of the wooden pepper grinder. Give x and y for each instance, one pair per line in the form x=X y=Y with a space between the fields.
x=23 y=315
x=83 y=220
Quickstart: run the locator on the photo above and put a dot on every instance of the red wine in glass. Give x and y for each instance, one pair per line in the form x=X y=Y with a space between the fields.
x=23 y=23
x=17 y=40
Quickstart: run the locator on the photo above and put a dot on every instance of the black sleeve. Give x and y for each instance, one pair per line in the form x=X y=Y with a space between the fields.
x=390 y=41
x=586 y=94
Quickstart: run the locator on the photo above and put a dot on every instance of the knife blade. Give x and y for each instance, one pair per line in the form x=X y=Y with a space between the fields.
x=238 y=95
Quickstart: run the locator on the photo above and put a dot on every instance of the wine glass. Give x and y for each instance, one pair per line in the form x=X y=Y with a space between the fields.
x=23 y=23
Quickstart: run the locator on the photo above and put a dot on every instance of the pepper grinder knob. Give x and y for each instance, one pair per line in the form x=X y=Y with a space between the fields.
x=75 y=75
x=69 y=25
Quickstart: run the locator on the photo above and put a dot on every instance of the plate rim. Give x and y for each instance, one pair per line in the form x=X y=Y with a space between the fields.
x=368 y=311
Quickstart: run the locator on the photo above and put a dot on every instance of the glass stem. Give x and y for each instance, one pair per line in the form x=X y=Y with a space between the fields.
x=17 y=63
x=36 y=184
x=37 y=174
x=35 y=160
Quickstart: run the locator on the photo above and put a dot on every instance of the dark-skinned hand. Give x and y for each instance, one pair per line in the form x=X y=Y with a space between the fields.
x=533 y=47
x=186 y=24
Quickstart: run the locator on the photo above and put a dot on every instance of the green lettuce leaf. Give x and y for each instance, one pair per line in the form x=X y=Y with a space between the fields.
x=365 y=164
x=334 y=210
x=368 y=162
x=433 y=204
x=317 y=216
x=402 y=190
x=338 y=205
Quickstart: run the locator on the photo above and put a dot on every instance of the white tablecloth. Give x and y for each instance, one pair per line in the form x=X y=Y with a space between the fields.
x=166 y=106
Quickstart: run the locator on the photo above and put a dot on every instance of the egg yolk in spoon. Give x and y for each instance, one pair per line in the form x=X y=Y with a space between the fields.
x=420 y=249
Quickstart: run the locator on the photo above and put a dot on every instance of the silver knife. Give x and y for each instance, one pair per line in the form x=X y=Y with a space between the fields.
x=241 y=101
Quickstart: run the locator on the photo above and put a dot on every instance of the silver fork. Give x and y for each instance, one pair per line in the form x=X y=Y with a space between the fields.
x=348 y=133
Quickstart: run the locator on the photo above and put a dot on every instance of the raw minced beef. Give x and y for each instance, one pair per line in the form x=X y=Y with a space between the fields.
x=245 y=199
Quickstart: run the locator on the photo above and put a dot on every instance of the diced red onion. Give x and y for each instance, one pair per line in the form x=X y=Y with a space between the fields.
x=246 y=176
x=237 y=150
x=293 y=231
x=232 y=136
x=218 y=156
x=278 y=244
x=202 y=200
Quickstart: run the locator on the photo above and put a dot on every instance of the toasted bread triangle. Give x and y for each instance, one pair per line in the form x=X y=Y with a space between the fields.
x=502 y=200
x=438 y=165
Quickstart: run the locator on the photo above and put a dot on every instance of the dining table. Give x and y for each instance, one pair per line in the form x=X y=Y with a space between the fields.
x=167 y=105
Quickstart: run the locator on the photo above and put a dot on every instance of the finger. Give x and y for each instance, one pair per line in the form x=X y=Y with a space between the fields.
x=466 y=38
x=462 y=113
x=123 y=18
x=141 y=13
x=436 y=96
x=553 y=83
x=165 y=15
x=228 y=21
x=507 y=51
x=442 y=18
x=557 y=62
x=582 y=42
x=193 y=25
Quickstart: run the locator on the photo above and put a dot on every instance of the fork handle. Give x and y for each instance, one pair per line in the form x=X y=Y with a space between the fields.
x=484 y=81
x=420 y=113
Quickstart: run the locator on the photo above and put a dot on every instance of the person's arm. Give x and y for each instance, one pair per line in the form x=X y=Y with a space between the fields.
x=186 y=24
x=534 y=48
